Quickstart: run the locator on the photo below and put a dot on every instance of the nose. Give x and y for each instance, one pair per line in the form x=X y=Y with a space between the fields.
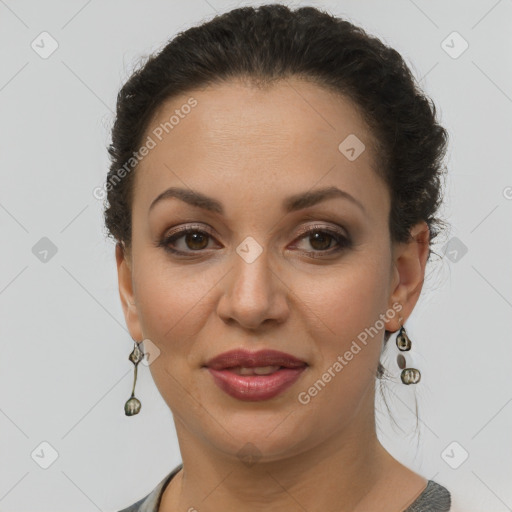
x=254 y=294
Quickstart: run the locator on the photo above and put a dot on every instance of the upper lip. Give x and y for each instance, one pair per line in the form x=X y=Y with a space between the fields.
x=248 y=359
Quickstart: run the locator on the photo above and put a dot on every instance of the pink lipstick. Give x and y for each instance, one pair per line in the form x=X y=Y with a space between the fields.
x=255 y=376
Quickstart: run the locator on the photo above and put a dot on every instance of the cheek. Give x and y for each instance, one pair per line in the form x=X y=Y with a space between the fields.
x=172 y=306
x=170 y=301
x=349 y=336
x=350 y=300
x=342 y=383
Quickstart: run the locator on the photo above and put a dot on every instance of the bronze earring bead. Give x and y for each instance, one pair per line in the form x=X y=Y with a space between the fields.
x=408 y=375
x=133 y=405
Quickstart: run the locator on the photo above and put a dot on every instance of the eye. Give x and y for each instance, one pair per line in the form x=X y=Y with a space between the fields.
x=324 y=240
x=194 y=239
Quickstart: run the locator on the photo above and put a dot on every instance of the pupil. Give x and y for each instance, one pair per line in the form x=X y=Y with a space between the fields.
x=193 y=238
x=320 y=237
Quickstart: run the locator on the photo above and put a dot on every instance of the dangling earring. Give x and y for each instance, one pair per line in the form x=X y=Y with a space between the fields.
x=132 y=406
x=409 y=375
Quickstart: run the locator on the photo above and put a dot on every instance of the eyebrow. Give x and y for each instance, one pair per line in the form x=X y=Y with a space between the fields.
x=312 y=197
x=290 y=204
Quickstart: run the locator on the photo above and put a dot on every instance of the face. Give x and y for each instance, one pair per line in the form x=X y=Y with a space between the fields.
x=265 y=266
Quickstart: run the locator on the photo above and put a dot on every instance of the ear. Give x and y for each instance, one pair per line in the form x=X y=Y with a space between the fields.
x=124 y=276
x=409 y=262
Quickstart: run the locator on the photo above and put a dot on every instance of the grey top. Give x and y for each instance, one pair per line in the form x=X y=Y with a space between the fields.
x=435 y=498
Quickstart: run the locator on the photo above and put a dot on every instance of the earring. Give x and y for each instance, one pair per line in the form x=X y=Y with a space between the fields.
x=133 y=405
x=409 y=375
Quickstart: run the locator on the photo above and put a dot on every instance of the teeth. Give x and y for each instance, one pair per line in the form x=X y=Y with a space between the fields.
x=260 y=370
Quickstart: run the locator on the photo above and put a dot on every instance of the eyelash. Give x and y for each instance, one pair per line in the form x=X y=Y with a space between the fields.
x=342 y=241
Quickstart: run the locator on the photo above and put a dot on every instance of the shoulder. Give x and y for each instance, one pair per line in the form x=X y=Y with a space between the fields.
x=151 y=502
x=435 y=498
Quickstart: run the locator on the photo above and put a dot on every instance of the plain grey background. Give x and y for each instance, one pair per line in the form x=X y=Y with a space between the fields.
x=64 y=372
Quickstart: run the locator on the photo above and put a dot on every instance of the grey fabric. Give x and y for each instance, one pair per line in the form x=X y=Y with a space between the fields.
x=151 y=502
x=435 y=498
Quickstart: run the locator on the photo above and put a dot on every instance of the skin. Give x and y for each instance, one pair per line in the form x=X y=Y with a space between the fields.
x=250 y=149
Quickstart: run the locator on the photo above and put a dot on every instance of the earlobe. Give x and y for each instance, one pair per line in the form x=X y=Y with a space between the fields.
x=410 y=259
x=124 y=275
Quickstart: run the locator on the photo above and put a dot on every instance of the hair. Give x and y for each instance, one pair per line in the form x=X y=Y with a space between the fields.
x=270 y=43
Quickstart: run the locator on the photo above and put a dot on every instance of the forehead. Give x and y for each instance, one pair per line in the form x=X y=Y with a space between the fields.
x=278 y=139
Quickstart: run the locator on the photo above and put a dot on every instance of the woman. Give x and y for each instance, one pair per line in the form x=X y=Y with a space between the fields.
x=273 y=192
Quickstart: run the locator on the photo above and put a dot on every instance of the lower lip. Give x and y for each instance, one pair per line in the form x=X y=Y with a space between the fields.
x=256 y=387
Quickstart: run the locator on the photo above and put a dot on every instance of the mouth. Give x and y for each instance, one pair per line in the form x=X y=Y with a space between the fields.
x=257 y=370
x=255 y=376
x=263 y=362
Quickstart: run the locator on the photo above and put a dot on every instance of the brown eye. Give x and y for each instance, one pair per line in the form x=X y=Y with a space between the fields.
x=324 y=241
x=196 y=240
x=320 y=240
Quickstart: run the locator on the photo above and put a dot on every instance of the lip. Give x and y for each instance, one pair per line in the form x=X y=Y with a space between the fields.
x=255 y=387
x=241 y=357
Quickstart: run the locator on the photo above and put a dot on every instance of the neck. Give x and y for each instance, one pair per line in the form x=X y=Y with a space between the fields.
x=341 y=470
